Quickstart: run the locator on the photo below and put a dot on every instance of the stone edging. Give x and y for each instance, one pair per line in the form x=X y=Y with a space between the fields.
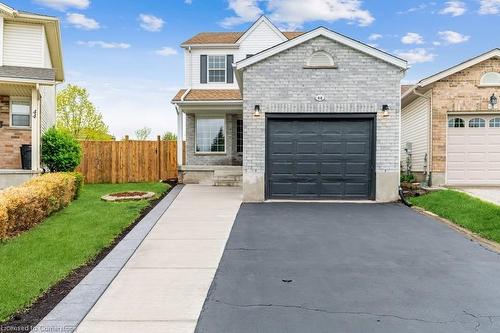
x=69 y=313
x=490 y=245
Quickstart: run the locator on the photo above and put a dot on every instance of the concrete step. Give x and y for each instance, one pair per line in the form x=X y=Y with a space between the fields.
x=227 y=183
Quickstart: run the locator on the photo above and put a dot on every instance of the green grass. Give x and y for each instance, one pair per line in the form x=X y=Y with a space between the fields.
x=480 y=217
x=37 y=259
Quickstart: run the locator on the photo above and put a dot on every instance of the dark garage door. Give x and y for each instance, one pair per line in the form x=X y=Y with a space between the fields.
x=320 y=158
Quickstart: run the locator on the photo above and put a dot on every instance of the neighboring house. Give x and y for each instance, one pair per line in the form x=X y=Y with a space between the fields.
x=30 y=67
x=451 y=124
x=313 y=115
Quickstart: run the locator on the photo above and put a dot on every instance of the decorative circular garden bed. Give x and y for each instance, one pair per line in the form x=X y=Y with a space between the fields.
x=128 y=196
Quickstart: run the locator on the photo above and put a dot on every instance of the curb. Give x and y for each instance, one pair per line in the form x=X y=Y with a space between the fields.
x=70 y=312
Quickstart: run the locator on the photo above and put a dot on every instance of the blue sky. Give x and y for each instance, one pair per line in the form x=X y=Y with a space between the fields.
x=126 y=53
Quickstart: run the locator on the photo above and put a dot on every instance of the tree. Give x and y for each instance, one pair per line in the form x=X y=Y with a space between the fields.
x=169 y=136
x=143 y=133
x=77 y=115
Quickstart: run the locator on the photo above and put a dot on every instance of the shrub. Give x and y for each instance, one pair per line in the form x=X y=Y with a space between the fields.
x=25 y=206
x=60 y=151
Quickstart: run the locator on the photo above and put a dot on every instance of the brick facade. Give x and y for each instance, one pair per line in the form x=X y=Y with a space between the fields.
x=459 y=92
x=361 y=83
x=11 y=139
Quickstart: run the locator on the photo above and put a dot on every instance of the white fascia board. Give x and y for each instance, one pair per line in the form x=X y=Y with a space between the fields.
x=321 y=31
x=459 y=67
x=7 y=10
x=210 y=46
x=265 y=20
x=219 y=102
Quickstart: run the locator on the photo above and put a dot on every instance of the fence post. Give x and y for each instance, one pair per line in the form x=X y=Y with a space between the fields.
x=159 y=155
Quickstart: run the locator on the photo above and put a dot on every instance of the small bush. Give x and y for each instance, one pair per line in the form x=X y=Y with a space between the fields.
x=60 y=151
x=25 y=206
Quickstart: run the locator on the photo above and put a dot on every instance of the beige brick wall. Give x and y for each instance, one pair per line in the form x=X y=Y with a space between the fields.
x=459 y=92
x=10 y=139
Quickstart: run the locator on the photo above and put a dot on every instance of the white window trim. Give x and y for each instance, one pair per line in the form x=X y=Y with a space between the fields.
x=482 y=84
x=14 y=99
x=215 y=116
x=208 y=68
x=492 y=121
x=469 y=122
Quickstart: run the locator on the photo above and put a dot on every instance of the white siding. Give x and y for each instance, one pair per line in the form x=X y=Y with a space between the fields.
x=47 y=62
x=23 y=45
x=261 y=37
x=415 y=129
x=48 y=112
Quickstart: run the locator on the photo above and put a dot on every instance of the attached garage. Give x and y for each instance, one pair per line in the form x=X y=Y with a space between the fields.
x=473 y=150
x=311 y=157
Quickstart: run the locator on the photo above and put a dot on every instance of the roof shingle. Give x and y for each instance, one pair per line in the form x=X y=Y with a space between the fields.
x=208 y=95
x=227 y=37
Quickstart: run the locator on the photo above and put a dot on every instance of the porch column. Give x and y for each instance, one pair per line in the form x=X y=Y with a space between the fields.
x=180 y=135
x=35 y=129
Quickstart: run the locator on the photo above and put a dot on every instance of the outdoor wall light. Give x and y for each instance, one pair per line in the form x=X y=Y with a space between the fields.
x=385 y=110
x=493 y=101
x=256 y=112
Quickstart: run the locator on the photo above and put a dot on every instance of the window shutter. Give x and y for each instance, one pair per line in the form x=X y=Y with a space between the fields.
x=203 y=68
x=229 y=68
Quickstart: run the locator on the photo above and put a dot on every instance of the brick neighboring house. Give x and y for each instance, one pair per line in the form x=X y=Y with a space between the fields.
x=451 y=124
x=308 y=115
x=30 y=68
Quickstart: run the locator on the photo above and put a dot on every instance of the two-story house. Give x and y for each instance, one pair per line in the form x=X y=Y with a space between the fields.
x=30 y=68
x=294 y=115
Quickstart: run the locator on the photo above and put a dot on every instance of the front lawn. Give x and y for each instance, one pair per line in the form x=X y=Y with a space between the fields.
x=480 y=217
x=36 y=260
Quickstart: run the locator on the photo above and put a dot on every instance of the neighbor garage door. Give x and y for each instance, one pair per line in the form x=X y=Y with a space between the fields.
x=320 y=158
x=473 y=150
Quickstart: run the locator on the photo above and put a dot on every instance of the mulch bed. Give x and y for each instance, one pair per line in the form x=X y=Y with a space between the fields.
x=26 y=320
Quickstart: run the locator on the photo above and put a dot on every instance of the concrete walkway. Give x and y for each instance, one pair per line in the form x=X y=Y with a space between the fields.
x=164 y=284
x=491 y=194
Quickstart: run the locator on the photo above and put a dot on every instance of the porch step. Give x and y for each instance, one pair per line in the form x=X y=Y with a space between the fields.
x=227 y=179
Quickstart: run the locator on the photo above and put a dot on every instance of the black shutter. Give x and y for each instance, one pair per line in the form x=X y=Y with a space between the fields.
x=203 y=68
x=229 y=68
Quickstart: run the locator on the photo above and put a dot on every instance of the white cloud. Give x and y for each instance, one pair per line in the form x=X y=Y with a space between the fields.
x=412 y=38
x=418 y=8
x=294 y=13
x=489 y=7
x=62 y=5
x=104 y=45
x=245 y=10
x=166 y=51
x=454 y=8
x=80 y=21
x=415 y=56
x=188 y=2
x=375 y=37
x=151 y=22
x=453 y=37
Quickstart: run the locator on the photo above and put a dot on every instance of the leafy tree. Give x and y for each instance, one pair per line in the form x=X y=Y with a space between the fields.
x=143 y=133
x=77 y=115
x=61 y=152
x=169 y=136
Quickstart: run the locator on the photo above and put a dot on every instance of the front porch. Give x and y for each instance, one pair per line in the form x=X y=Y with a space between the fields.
x=214 y=137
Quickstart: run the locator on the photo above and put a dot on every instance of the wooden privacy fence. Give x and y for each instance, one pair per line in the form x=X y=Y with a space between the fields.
x=128 y=161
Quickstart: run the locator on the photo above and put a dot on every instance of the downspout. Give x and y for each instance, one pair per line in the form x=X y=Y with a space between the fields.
x=429 y=144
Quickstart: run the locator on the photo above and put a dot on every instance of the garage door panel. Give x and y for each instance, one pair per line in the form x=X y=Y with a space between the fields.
x=473 y=154
x=321 y=159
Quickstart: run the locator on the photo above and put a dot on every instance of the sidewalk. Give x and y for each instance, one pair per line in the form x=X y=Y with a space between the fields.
x=164 y=284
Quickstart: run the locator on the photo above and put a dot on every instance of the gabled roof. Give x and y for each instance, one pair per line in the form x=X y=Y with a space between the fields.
x=322 y=31
x=52 y=31
x=230 y=38
x=207 y=95
x=262 y=20
x=460 y=67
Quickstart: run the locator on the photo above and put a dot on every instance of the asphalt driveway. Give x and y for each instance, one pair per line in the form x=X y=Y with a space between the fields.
x=293 y=267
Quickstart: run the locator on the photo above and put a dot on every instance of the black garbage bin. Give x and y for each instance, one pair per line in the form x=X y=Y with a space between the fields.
x=26 y=157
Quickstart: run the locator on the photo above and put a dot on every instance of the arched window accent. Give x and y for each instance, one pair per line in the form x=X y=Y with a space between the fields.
x=456 y=122
x=320 y=59
x=477 y=122
x=495 y=122
x=490 y=79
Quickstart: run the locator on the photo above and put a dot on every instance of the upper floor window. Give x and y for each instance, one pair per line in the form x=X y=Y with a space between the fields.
x=490 y=79
x=456 y=122
x=216 y=68
x=20 y=112
x=477 y=122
